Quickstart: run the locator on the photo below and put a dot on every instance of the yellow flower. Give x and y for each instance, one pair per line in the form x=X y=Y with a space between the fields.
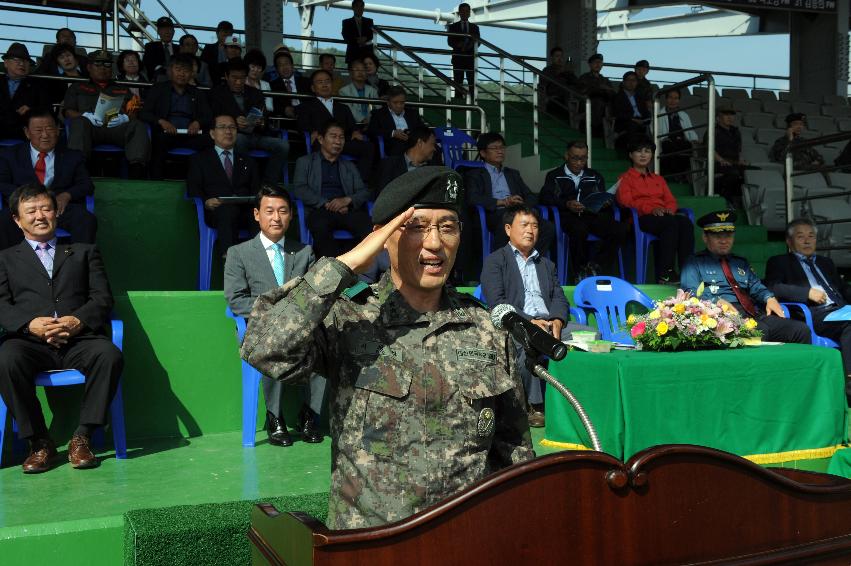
x=655 y=314
x=662 y=328
x=630 y=319
x=750 y=324
x=679 y=308
x=724 y=307
x=694 y=301
x=710 y=322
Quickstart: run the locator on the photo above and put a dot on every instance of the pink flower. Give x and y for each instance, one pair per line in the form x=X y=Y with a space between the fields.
x=638 y=329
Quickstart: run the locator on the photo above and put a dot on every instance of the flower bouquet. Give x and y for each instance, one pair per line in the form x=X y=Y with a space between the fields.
x=684 y=322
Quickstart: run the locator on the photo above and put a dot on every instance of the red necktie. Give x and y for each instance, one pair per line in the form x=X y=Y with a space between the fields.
x=742 y=296
x=40 y=167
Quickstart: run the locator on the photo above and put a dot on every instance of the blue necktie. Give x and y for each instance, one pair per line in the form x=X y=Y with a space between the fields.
x=831 y=292
x=278 y=263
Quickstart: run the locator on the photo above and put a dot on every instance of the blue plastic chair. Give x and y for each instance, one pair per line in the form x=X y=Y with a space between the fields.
x=250 y=388
x=642 y=245
x=454 y=142
x=817 y=340
x=304 y=234
x=607 y=298
x=73 y=377
x=206 y=240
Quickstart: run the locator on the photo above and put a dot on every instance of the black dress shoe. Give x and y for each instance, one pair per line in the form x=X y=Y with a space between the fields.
x=307 y=424
x=277 y=430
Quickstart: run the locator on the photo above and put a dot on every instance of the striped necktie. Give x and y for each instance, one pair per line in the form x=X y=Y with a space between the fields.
x=43 y=253
x=278 y=263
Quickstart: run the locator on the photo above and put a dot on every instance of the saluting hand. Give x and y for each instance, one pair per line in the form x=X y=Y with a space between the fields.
x=360 y=258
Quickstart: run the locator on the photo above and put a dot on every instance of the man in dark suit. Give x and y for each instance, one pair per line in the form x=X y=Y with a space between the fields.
x=357 y=33
x=495 y=187
x=394 y=121
x=801 y=276
x=261 y=264
x=177 y=113
x=419 y=151
x=565 y=187
x=505 y=277
x=630 y=111
x=55 y=309
x=215 y=54
x=464 y=49
x=287 y=81
x=158 y=54
x=314 y=113
x=246 y=104
x=222 y=171
x=60 y=169
x=332 y=191
x=18 y=93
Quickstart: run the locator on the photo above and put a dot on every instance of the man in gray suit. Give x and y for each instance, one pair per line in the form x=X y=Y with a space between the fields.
x=263 y=263
x=333 y=192
x=518 y=275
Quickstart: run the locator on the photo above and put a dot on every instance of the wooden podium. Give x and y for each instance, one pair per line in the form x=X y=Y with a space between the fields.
x=670 y=504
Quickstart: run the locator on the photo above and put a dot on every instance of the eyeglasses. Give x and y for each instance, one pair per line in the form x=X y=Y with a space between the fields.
x=17 y=60
x=447 y=230
x=225 y=127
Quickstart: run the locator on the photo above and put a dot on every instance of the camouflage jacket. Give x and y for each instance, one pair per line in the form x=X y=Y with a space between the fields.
x=421 y=404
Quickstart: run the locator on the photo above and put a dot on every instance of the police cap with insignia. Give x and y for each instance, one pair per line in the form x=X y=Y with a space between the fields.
x=424 y=187
x=100 y=56
x=720 y=221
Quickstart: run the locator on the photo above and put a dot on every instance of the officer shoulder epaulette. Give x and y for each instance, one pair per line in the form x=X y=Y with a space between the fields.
x=471 y=299
x=359 y=290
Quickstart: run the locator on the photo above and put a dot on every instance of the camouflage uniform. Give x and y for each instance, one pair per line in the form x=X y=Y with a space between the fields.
x=422 y=404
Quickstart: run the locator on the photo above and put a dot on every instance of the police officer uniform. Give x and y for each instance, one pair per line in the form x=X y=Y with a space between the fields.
x=733 y=279
x=83 y=97
x=421 y=404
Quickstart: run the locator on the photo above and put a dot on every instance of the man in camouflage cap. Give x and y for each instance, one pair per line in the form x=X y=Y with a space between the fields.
x=424 y=397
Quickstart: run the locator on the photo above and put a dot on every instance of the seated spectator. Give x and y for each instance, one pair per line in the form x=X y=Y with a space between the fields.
x=215 y=54
x=62 y=170
x=158 y=54
x=328 y=62
x=358 y=34
x=61 y=62
x=271 y=72
x=802 y=276
x=224 y=171
x=19 y=94
x=552 y=97
x=66 y=36
x=729 y=280
x=630 y=112
x=314 y=113
x=129 y=69
x=332 y=191
x=261 y=264
x=598 y=88
x=804 y=158
x=86 y=128
x=496 y=187
x=287 y=81
x=729 y=165
x=643 y=87
x=649 y=194
x=256 y=62
x=359 y=88
x=44 y=333
x=188 y=44
x=566 y=187
x=419 y=151
x=676 y=135
x=178 y=114
x=246 y=105
x=372 y=65
x=516 y=274
x=394 y=121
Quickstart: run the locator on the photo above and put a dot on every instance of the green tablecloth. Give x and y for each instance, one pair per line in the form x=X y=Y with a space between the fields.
x=770 y=404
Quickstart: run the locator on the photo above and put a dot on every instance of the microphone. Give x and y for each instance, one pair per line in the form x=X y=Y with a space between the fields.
x=532 y=337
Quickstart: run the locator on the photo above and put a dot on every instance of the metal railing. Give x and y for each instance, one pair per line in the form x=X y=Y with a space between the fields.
x=710 y=129
x=790 y=174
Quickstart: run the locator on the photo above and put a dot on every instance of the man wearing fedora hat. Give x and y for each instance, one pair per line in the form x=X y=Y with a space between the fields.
x=19 y=94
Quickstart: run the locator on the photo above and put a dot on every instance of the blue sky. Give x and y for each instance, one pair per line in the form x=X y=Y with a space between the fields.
x=763 y=54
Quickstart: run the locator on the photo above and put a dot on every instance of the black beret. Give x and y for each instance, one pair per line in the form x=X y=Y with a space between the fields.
x=643 y=63
x=794 y=117
x=165 y=22
x=425 y=187
x=720 y=221
x=595 y=57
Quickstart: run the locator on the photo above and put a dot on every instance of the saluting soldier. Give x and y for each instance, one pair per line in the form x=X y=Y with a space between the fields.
x=729 y=279
x=424 y=395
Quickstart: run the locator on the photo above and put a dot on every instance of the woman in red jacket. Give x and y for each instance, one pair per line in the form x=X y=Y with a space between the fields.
x=649 y=194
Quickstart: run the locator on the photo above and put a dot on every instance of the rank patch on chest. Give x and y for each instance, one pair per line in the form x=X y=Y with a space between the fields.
x=488 y=356
x=742 y=272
